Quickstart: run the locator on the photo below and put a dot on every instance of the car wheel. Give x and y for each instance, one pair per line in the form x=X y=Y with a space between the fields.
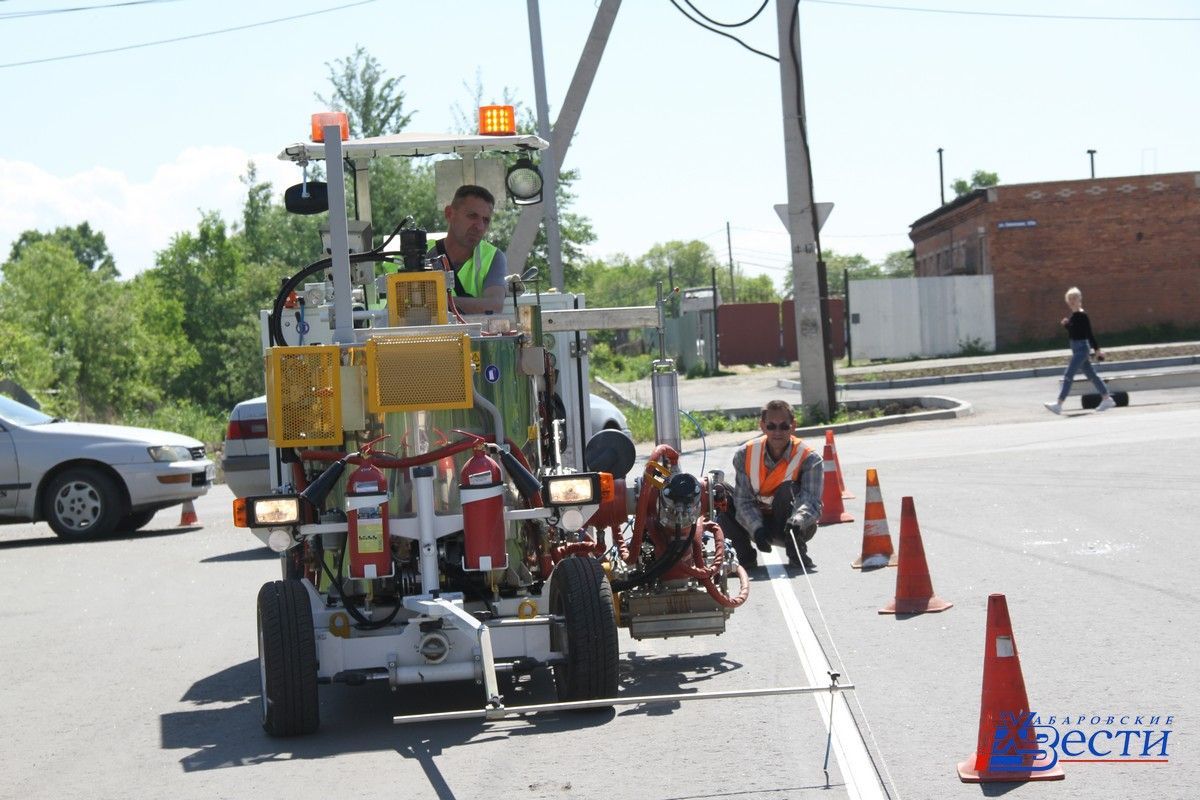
x=82 y=504
x=287 y=660
x=581 y=598
x=136 y=521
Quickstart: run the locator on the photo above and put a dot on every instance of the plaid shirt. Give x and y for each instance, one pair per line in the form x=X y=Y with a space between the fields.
x=747 y=510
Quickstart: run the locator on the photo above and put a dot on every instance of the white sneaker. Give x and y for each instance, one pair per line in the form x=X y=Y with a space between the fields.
x=1055 y=407
x=1106 y=404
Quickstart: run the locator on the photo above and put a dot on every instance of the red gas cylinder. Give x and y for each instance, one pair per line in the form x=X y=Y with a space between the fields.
x=481 y=491
x=367 y=523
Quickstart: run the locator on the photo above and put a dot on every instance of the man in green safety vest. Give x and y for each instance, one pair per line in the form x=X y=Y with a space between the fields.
x=479 y=267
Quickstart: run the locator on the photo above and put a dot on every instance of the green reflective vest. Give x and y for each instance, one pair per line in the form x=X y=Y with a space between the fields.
x=473 y=279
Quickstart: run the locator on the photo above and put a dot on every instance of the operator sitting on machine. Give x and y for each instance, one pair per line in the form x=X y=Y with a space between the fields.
x=777 y=493
x=479 y=267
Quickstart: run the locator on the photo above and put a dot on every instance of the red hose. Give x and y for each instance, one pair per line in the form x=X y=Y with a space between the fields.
x=386 y=462
x=707 y=575
x=576 y=548
x=649 y=493
x=715 y=592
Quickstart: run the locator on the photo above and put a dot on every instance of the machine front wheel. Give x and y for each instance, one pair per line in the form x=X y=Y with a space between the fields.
x=587 y=634
x=287 y=659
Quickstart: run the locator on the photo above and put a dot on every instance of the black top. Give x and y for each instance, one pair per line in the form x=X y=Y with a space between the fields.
x=1078 y=327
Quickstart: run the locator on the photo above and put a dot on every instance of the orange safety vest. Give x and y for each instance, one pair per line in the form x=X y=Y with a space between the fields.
x=765 y=483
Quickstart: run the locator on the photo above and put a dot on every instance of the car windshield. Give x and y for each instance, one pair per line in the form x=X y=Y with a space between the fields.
x=20 y=414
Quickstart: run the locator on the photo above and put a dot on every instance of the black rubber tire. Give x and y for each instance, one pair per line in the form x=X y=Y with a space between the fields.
x=587 y=636
x=82 y=503
x=287 y=660
x=136 y=520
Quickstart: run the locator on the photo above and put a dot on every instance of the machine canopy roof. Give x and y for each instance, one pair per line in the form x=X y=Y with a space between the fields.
x=415 y=144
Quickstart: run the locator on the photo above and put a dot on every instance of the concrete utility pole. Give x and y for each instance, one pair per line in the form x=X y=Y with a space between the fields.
x=732 y=281
x=816 y=380
x=549 y=162
x=564 y=128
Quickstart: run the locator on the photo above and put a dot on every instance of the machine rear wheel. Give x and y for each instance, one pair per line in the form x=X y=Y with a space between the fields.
x=587 y=636
x=287 y=660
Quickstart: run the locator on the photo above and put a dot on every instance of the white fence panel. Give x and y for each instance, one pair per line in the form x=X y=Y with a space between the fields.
x=921 y=317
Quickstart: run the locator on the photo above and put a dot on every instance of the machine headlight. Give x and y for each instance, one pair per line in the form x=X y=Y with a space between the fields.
x=524 y=182
x=169 y=453
x=580 y=489
x=267 y=511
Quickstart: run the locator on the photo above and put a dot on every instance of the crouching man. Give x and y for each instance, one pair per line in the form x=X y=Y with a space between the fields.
x=777 y=492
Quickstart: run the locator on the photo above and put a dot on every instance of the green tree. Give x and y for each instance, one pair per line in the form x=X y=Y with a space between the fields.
x=980 y=179
x=754 y=290
x=76 y=324
x=89 y=247
x=270 y=234
x=220 y=293
x=373 y=103
x=898 y=264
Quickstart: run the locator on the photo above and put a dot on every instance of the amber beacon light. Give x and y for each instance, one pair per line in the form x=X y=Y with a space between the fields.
x=320 y=120
x=497 y=121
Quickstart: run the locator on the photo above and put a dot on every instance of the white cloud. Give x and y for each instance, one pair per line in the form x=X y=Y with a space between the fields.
x=137 y=219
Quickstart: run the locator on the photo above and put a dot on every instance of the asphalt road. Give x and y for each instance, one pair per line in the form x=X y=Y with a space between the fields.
x=131 y=668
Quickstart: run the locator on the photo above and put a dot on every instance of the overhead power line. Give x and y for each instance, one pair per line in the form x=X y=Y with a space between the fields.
x=723 y=33
x=48 y=11
x=184 y=38
x=712 y=21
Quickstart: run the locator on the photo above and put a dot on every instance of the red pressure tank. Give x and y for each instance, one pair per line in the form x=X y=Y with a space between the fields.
x=367 y=523
x=481 y=492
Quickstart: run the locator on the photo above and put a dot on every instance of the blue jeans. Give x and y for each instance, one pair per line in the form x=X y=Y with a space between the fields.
x=1079 y=358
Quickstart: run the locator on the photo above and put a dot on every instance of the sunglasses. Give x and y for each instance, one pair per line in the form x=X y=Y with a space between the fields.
x=782 y=426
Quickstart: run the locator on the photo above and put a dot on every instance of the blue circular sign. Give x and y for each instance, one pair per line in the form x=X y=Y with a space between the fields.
x=491 y=373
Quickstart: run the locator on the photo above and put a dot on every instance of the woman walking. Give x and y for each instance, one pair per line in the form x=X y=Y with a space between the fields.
x=1079 y=331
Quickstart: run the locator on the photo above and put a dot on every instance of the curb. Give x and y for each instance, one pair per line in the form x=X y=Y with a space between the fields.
x=1032 y=372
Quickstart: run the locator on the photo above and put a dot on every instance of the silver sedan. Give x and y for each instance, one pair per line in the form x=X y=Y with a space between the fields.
x=87 y=480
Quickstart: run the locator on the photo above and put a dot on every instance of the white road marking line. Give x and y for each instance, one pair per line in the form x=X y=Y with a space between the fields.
x=854 y=761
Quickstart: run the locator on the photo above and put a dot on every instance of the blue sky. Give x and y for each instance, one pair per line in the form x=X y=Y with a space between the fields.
x=682 y=132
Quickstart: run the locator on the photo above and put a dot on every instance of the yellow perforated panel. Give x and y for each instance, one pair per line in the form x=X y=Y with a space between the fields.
x=304 y=396
x=416 y=298
x=421 y=372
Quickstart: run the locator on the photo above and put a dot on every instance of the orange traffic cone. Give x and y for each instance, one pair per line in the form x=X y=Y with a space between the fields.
x=914 y=590
x=1008 y=747
x=846 y=493
x=188 y=515
x=877 y=541
x=832 y=509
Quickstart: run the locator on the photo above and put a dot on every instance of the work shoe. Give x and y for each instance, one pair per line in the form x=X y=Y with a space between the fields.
x=762 y=540
x=804 y=562
x=1106 y=404
x=1055 y=407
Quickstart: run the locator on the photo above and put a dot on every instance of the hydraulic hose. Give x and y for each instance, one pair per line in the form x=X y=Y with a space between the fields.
x=275 y=326
x=649 y=494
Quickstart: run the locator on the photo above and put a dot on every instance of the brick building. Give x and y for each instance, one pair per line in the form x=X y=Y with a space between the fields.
x=1131 y=244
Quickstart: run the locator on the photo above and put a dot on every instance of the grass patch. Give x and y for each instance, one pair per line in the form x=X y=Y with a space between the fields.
x=183 y=417
x=641 y=421
x=615 y=367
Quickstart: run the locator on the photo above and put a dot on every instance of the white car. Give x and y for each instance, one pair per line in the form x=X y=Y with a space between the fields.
x=244 y=458
x=87 y=480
